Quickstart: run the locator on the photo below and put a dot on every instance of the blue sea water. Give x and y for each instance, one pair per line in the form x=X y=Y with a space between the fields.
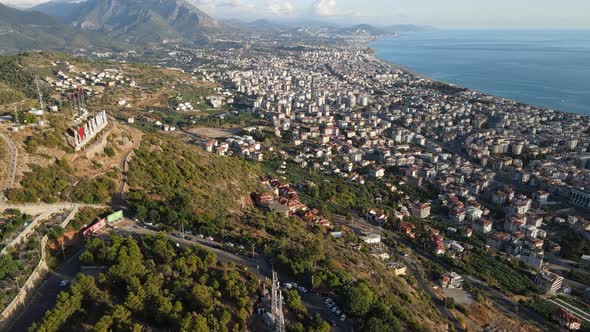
x=543 y=68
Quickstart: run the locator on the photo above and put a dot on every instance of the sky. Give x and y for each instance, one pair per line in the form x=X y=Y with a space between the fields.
x=468 y=14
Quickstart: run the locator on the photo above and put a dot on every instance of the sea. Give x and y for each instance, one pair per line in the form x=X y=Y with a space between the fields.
x=545 y=68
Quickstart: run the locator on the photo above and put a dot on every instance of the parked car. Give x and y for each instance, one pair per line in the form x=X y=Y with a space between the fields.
x=343 y=317
x=64 y=283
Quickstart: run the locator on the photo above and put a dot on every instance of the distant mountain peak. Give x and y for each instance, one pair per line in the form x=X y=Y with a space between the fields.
x=135 y=20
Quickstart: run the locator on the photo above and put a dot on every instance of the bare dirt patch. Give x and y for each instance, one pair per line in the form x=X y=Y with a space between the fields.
x=215 y=132
x=485 y=316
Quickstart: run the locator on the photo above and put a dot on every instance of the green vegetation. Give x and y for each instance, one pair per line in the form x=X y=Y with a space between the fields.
x=332 y=194
x=43 y=184
x=94 y=191
x=84 y=217
x=8 y=267
x=579 y=276
x=573 y=246
x=54 y=183
x=12 y=220
x=9 y=95
x=541 y=306
x=52 y=139
x=149 y=283
x=69 y=304
x=496 y=272
x=109 y=151
x=15 y=78
x=168 y=175
x=310 y=256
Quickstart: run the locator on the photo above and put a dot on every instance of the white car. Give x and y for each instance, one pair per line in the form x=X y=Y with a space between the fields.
x=64 y=283
x=288 y=285
x=210 y=238
x=343 y=317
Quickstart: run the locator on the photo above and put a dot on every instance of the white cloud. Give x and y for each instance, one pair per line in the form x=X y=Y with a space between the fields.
x=217 y=3
x=324 y=7
x=22 y=3
x=280 y=8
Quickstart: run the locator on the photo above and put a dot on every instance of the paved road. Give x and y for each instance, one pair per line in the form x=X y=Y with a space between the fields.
x=417 y=272
x=581 y=314
x=259 y=266
x=45 y=296
x=500 y=301
x=39 y=208
x=29 y=230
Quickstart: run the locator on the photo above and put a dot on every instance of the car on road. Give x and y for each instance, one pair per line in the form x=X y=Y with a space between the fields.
x=201 y=236
x=210 y=238
x=188 y=232
x=179 y=235
x=64 y=283
x=343 y=317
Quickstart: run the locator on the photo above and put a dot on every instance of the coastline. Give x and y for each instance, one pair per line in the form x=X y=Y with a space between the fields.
x=375 y=53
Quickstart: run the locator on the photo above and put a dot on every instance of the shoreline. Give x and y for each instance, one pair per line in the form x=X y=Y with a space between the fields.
x=422 y=76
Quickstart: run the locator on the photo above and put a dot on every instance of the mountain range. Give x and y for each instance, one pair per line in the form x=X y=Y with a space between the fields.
x=112 y=24
x=136 y=21
x=26 y=30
